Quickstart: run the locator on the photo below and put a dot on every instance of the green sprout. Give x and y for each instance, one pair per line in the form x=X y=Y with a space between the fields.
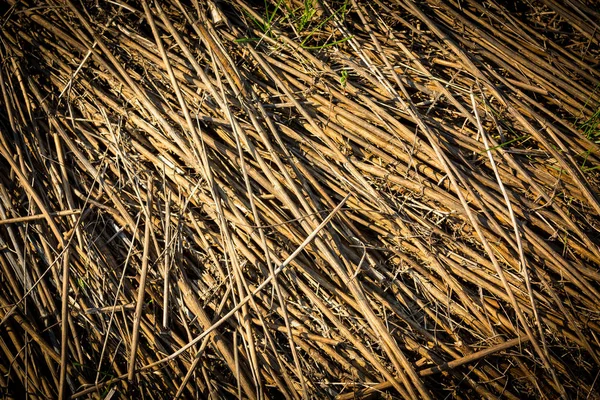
x=344 y=78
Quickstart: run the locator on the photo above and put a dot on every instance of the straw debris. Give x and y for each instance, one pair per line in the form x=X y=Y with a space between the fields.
x=301 y=199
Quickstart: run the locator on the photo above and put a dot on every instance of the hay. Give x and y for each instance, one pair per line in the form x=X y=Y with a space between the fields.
x=308 y=199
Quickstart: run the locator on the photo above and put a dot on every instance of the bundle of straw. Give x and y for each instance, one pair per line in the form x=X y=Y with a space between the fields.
x=299 y=199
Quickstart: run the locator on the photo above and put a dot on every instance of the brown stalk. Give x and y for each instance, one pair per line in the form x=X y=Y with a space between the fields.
x=147 y=210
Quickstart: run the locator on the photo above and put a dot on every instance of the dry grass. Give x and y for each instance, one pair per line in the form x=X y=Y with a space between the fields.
x=299 y=199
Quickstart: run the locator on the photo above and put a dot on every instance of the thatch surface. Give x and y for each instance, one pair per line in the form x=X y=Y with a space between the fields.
x=302 y=199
